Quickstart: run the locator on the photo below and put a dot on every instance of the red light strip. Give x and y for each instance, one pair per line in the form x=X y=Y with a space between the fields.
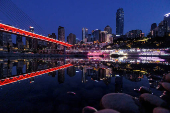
x=33 y=74
x=17 y=31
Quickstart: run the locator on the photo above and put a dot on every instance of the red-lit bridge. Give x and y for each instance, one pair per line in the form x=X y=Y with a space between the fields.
x=29 y=75
x=13 y=30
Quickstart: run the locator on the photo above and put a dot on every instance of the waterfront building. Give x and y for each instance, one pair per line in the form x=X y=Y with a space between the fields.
x=5 y=42
x=135 y=34
x=153 y=26
x=167 y=18
x=61 y=36
x=95 y=35
x=89 y=39
x=84 y=34
x=71 y=39
x=108 y=29
x=51 y=46
x=161 y=30
x=29 y=41
x=103 y=36
x=119 y=22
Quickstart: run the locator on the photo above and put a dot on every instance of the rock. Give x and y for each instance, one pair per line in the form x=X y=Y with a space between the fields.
x=119 y=101
x=151 y=101
x=88 y=109
x=144 y=89
x=167 y=77
x=107 y=111
x=166 y=86
x=166 y=96
x=160 y=110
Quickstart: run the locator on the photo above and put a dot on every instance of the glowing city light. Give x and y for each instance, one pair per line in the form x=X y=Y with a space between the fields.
x=167 y=15
x=29 y=75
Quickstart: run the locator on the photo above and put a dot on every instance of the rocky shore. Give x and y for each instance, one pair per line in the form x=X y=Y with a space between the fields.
x=147 y=102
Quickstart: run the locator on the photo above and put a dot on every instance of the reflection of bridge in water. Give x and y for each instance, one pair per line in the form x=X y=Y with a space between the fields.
x=30 y=75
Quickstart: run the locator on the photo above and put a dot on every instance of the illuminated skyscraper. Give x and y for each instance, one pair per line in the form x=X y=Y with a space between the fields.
x=167 y=18
x=119 y=21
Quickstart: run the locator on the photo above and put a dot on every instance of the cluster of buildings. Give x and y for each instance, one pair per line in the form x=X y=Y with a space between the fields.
x=34 y=45
x=162 y=29
x=106 y=36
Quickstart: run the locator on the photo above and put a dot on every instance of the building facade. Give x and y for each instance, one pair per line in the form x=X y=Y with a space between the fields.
x=135 y=34
x=84 y=34
x=167 y=18
x=108 y=29
x=71 y=39
x=61 y=36
x=119 y=22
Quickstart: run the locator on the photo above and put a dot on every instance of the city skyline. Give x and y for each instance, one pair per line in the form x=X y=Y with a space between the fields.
x=138 y=15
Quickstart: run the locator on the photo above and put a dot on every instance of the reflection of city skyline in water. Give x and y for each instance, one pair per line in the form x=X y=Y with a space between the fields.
x=97 y=70
x=88 y=79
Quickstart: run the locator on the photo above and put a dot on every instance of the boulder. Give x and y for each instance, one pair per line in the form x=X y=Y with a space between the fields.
x=88 y=109
x=119 y=101
x=166 y=86
x=144 y=89
x=107 y=111
x=151 y=101
x=160 y=110
x=167 y=77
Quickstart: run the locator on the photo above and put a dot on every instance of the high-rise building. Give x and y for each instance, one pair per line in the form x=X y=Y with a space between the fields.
x=52 y=46
x=153 y=26
x=95 y=35
x=19 y=42
x=71 y=39
x=61 y=33
x=84 y=33
x=29 y=41
x=102 y=37
x=167 y=18
x=61 y=36
x=108 y=29
x=5 y=41
x=119 y=22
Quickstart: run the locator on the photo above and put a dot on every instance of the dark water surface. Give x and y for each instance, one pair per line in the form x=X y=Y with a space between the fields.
x=70 y=89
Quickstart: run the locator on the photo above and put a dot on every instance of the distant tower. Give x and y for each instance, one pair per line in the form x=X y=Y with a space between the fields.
x=119 y=21
x=108 y=29
x=61 y=33
x=61 y=36
x=84 y=33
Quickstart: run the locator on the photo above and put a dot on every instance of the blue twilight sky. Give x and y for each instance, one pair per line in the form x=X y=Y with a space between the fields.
x=92 y=14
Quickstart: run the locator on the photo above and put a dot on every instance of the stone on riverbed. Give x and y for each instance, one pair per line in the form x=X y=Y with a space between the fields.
x=160 y=110
x=119 y=101
x=151 y=101
x=166 y=86
x=167 y=77
x=88 y=109
x=107 y=111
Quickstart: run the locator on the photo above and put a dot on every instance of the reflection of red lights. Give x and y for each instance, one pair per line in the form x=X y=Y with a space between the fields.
x=33 y=74
x=17 y=31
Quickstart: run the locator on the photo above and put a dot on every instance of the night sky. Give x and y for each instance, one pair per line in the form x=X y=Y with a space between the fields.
x=92 y=14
